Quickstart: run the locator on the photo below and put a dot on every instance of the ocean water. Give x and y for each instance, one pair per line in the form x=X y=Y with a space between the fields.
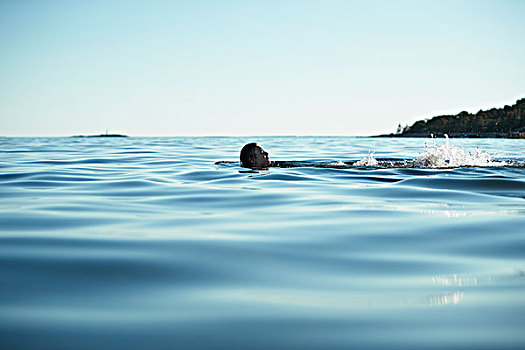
x=147 y=243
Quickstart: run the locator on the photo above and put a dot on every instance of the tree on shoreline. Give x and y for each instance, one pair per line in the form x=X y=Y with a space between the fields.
x=496 y=120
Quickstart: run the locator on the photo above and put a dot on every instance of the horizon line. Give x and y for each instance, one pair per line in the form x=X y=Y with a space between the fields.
x=197 y=135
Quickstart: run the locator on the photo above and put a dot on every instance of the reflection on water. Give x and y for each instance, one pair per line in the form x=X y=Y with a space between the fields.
x=514 y=278
x=463 y=213
x=146 y=243
x=344 y=302
x=447 y=299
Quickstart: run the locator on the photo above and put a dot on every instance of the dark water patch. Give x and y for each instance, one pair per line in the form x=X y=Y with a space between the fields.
x=371 y=330
x=117 y=184
x=494 y=186
x=512 y=247
x=31 y=150
x=16 y=176
x=9 y=192
x=132 y=192
x=36 y=184
x=162 y=163
x=283 y=177
x=53 y=175
x=438 y=238
x=66 y=178
x=43 y=243
x=421 y=172
x=96 y=185
x=84 y=206
x=186 y=223
x=217 y=199
x=370 y=179
x=138 y=151
x=16 y=221
x=94 y=274
x=73 y=162
x=204 y=175
x=350 y=263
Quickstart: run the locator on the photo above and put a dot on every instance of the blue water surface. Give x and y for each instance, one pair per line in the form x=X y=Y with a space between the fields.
x=146 y=243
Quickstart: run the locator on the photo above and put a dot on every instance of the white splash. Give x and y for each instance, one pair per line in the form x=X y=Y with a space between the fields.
x=367 y=160
x=447 y=156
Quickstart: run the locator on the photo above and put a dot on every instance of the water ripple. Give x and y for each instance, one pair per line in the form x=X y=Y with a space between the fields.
x=147 y=243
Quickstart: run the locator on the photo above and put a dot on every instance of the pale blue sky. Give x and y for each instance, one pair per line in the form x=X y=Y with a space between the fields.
x=253 y=67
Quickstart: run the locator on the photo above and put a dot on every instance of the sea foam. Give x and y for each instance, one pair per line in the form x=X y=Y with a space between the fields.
x=448 y=156
x=367 y=160
x=439 y=156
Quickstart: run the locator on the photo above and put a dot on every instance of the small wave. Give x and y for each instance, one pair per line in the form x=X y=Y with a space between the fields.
x=448 y=156
x=367 y=160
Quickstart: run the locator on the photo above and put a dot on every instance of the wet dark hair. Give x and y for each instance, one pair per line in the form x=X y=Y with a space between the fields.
x=247 y=154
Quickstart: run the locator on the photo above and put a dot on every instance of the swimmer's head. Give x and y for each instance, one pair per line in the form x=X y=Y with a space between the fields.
x=254 y=156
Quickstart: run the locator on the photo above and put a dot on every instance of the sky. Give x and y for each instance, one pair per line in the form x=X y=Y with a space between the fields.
x=170 y=68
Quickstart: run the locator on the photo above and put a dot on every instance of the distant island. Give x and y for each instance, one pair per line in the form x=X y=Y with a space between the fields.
x=506 y=122
x=102 y=135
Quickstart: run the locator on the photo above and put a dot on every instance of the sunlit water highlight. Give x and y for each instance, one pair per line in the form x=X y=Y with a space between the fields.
x=144 y=243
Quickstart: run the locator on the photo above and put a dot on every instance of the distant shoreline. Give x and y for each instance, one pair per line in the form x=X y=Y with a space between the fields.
x=101 y=135
x=514 y=135
x=507 y=122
